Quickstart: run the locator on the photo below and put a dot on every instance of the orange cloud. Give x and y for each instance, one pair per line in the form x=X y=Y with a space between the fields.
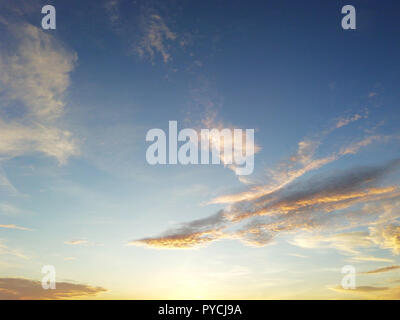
x=26 y=289
x=179 y=241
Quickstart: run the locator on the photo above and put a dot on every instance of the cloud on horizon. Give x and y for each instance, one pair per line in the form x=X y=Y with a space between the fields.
x=26 y=289
x=371 y=292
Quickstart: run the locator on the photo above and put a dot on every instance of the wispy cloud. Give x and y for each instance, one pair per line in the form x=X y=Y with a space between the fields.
x=35 y=76
x=76 y=242
x=346 y=242
x=9 y=209
x=387 y=236
x=381 y=270
x=5 y=250
x=147 y=32
x=83 y=242
x=6 y=185
x=361 y=258
x=13 y=226
x=155 y=39
x=383 y=236
x=113 y=11
x=345 y=121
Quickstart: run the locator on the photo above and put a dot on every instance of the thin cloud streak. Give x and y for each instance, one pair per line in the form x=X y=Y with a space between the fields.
x=381 y=270
x=13 y=226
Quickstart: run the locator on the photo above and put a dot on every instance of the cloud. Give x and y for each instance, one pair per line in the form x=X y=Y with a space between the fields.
x=387 y=236
x=35 y=71
x=331 y=202
x=297 y=255
x=370 y=258
x=13 y=226
x=384 y=236
x=5 y=250
x=144 y=28
x=371 y=292
x=26 y=289
x=113 y=11
x=187 y=235
x=355 y=147
x=299 y=164
x=360 y=289
x=69 y=258
x=345 y=242
x=156 y=35
x=6 y=185
x=18 y=140
x=381 y=270
x=323 y=192
x=9 y=209
x=345 y=121
x=35 y=75
x=301 y=206
x=178 y=240
x=76 y=242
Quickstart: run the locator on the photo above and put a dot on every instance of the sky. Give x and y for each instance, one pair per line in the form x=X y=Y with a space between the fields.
x=77 y=193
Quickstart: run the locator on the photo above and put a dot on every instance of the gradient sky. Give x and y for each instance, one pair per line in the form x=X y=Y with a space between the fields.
x=77 y=193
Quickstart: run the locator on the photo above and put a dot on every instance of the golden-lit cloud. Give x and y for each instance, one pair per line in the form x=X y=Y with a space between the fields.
x=381 y=270
x=179 y=241
x=13 y=226
x=356 y=146
x=370 y=292
x=298 y=165
x=387 y=236
x=26 y=289
x=345 y=121
x=195 y=233
x=306 y=206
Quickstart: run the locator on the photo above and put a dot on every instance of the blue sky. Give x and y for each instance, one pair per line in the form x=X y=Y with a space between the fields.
x=76 y=191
